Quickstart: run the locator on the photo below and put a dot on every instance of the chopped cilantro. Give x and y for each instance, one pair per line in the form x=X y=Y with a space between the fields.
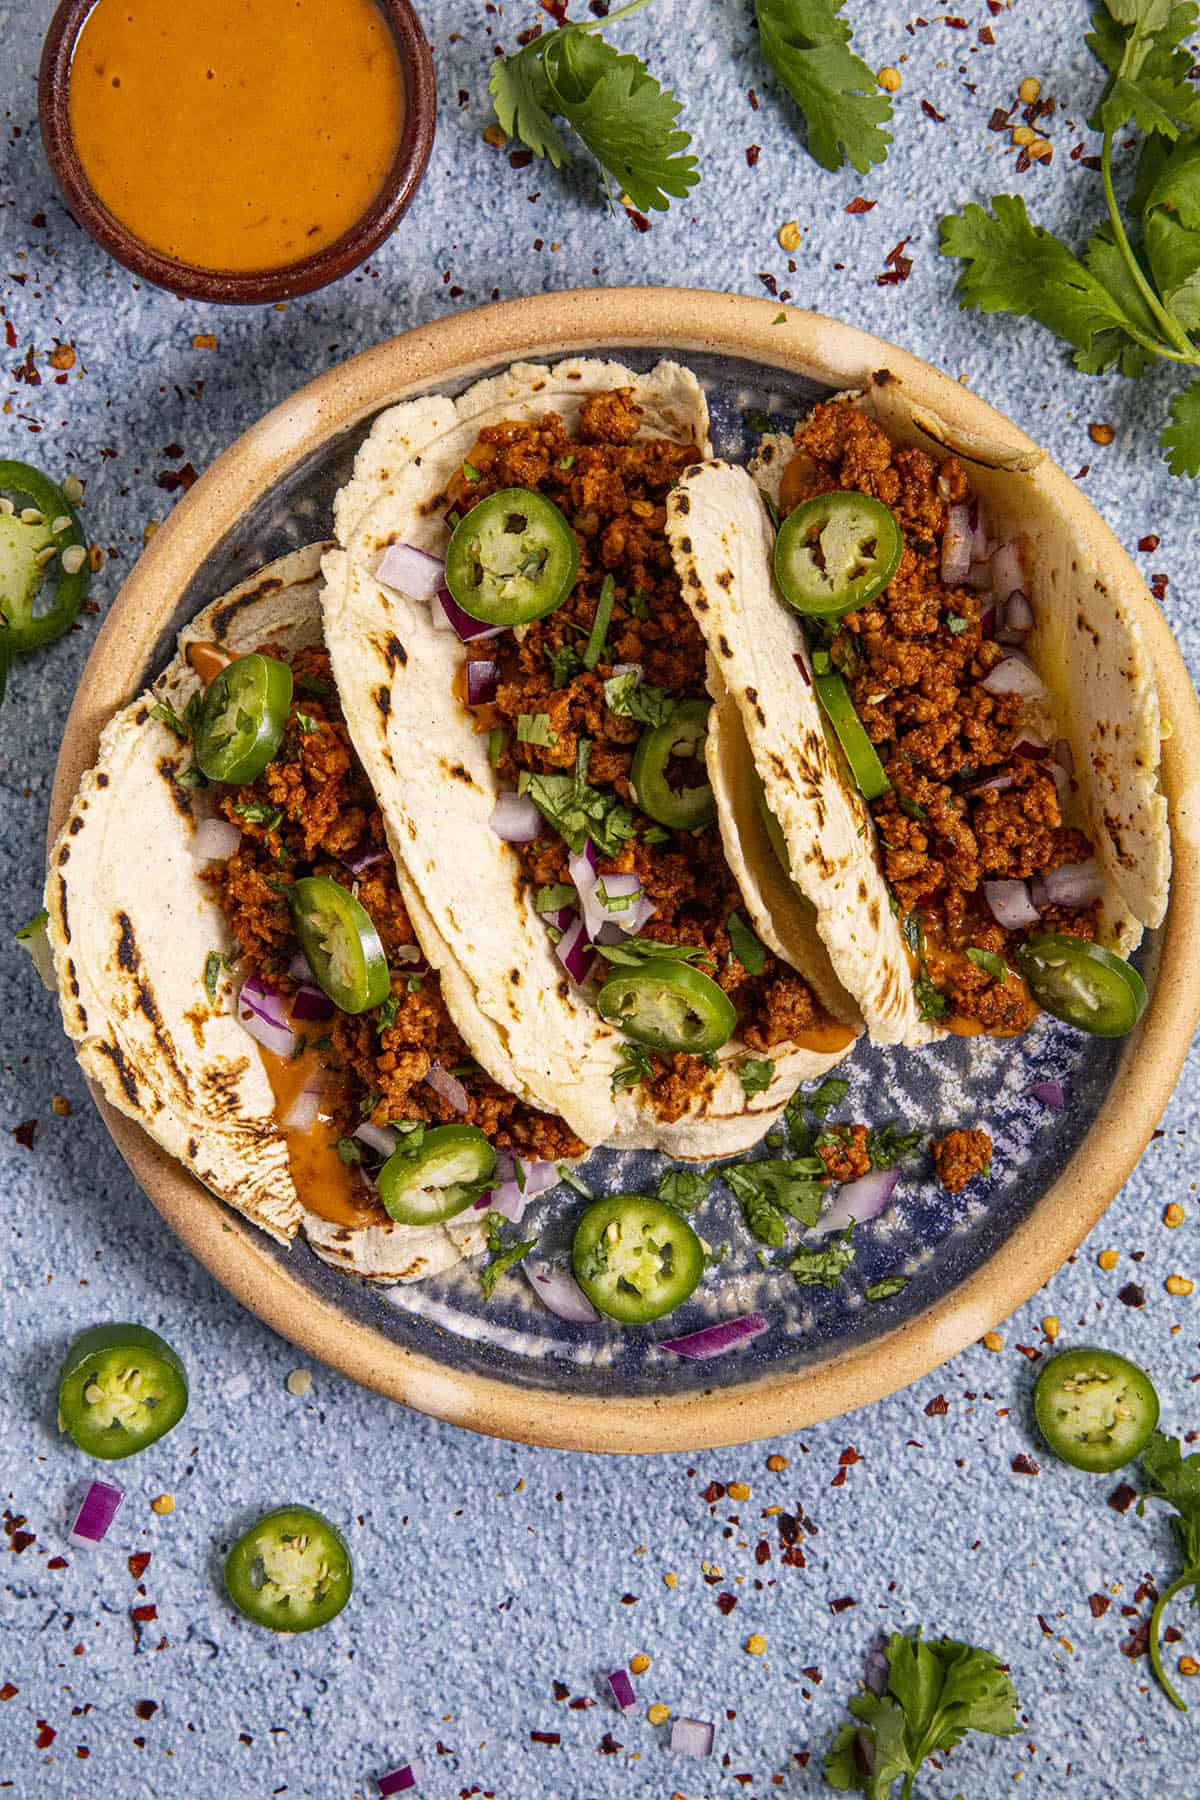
x=887 y=1288
x=911 y=807
x=634 y=950
x=759 y=421
x=501 y=1263
x=684 y=1189
x=823 y=1099
x=350 y=1151
x=632 y=698
x=497 y=739
x=579 y=812
x=307 y=724
x=569 y=1178
x=824 y=1265
x=554 y=897
x=633 y=1068
x=471 y=472
x=756 y=1074
x=638 y=604
x=385 y=1016
x=534 y=728
x=887 y=1144
x=769 y=1188
x=313 y=684
x=931 y=1002
x=600 y=623
x=214 y=962
x=565 y=664
x=657 y=834
x=989 y=962
x=956 y=625
x=257 y=812
x=183 y=725
x=746 y=947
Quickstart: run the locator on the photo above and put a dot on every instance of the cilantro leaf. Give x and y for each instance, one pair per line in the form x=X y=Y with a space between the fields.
x=746 y=947
x=534 y=728
x=937 y=1692
x=823 y=1265
x=1181 y=438
x=611 y=101
x=770 y=1188
x=989 y=962
x=579 y=812
x=886 y=1287
x=33 y=940
x=214 y=962
x=565 y=664
x=633 y=1068
x=1174 y=1479
x=632 y=951
x=806 y=42
x=1173 y=253
x=1139 y=43
x=756 y=1074
x=823 y=1099
x=501 y=1263
x=684 y=1189
x=887 y=1144
x=632 y=698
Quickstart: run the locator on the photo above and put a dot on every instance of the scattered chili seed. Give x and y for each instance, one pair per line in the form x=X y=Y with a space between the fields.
x=496 y=136
x=738 y=1490
x=163 y=1504
x=1178 y=1284
x=1108 y=1259
x=72 y=487
x=670 y=1579
x=777 y=1464
x=639 y=1664
x=1050 y=1327
x=1173 y=1215
x=299 y=1383
x=788 y=236
x=1042 y=150
x=62 y=357
x=991 y=1340
x=1023 y=136
x=889 y=79
x=204 y=340
x=1029 y=90
x=60 y=1106
x=756 y=1644
x=1189 y=1666
x=1101 y=433
x=658 y=1714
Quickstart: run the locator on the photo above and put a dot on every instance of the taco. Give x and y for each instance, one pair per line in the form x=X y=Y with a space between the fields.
x=947 y=724
x=527 y=693
x=180 y=906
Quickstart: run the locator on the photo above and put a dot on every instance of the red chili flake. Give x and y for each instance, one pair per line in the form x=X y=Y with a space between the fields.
x=1150 y=542
x=938 y=1407
x=464 y=95
x=1091 y=162
x=897 y=265
x=609 y=1745
x=931 y=112
x=1046 y=1629
x=629 y=1599
x=27 y=371
x=839 y=1479
x=1138 y=1642
x=753 y=152
x=9 y=1691
x=802 y=666
x=995 y=7
x=752 y=97
x=172 y=480
x=144 y=1614
x=561 y=1691
x=1158 y=586
x=46 y=1735
x=849 y=1457
x=25 y=1133
x=840 y=1606
x=557 y=10
x=145 y=1709
x=770 y=283
x=1122 y=1497
x=859 y=205
x=1024 y=161
x=1131 y=1294
x=545 y=1737
x=713 y=1492
x=82 y=1752
x=1099 y=1604
x=1172 y=1635
x=1146 y=1590
x=520 y=159
x=1028 y=1350
x=529 y=36
x=726 y=1603
x=10 y=334
x=139 y=1562
x=583 y=1703
x=58 y=1562
x=1024 y=1465
x=986 y=35
x=794 y=1557
x=999 y=119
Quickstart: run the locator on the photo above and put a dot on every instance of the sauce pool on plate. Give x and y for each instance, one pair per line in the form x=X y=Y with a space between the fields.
x=237 y=135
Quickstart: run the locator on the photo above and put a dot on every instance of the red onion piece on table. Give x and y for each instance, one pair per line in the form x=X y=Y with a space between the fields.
x=692 y=1737
x=311 y=1005
x=558 y=1290
x=101 y=1504
x=714 y=1340
x=215 y=840
x=956 y=545
x=410 y=571
x=858 y=1201
x=1010 y=904
x=483 y=678
x=515 y=818
x=1050 y=1093
x=1075 y=884
x=574 y=950
x=380 y=1138
x=1015 y=674
x=402 y=1780
x=622 y=1690
x=449 y=1087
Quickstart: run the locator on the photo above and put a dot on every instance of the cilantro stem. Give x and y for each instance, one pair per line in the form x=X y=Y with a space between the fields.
x=1189 y=1578
x=907 y=1789
x=1185 y=350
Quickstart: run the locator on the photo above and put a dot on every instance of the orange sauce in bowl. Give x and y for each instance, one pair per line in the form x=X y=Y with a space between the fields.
x=237 y=135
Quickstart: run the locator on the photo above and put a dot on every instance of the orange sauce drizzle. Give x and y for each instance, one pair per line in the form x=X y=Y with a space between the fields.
x=323 y=1181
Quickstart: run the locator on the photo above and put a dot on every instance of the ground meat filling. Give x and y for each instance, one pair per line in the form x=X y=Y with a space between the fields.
x=960 y=1156
x=309 y=809
x=913 y=662
x=612 y=487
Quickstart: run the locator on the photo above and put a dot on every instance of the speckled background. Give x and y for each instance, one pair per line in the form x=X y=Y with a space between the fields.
x=486 y=1573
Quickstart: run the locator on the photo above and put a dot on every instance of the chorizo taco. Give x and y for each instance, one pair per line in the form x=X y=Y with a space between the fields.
x=527 y=692
x=240 y=974
x=946 y=722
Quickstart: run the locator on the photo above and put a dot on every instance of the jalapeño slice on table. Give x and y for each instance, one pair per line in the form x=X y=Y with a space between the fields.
x=291 y=1571
x=668 y=1005
x=860 y=752
x=683 y=735
x=636 y=1258
x=835 y=553
x=511 y=559
x=121 y=1388
x=1095 y=1409
x=30 y=546
x=450 y=1167
x=243 y=718
x=341 y=944
x=1082 y=983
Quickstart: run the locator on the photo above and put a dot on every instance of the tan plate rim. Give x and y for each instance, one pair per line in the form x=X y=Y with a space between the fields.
x=676 y=321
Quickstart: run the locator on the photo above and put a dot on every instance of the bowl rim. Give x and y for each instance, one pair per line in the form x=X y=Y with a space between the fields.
x=673 y=321
x=252 y=286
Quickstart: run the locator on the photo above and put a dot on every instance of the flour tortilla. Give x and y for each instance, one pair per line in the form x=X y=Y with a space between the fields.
x=1087 y=645
x=527 y=1023
x=132 y=924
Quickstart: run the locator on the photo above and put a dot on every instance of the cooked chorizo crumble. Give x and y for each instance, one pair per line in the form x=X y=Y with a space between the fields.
x=960 y=1156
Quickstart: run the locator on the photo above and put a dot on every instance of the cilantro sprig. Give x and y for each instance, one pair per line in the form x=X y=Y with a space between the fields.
x=807 y=43
x=610 y=101
x=1134 y=295
x=1174 y=1479
x=936 y=1693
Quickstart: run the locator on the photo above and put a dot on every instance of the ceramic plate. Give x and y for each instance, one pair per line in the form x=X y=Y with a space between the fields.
x=508 y=1366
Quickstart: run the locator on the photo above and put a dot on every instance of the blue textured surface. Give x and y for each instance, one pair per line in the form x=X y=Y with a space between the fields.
x=487 y=1572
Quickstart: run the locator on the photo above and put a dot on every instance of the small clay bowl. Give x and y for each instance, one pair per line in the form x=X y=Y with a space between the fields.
x=257 y=286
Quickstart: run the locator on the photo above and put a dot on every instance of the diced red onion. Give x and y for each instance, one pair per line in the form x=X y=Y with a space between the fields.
x=101 y=1504
x=515 y=818
x=1075 y=884
x=261 y=1013
x=510 y=1196
x=956 y=545
x=802 y=665
x=574 y=950
x=627 y=669
x=1007 y=575
x=1015 y=675
x=858 y=1201
x=1018 y=611
x=483 y=678
x=1032 y=748
x=943 y=485
x=987 y=621
x=1038 y=894
x=692 y=1737
x=401 y=1780
x=979 y=576
x=459 y=621
x=1010 y=904
x=380 y=1138
x=299 y=969
x=715 y=1340
x=412 y=572
x=558 y=1289
x=628 y=919
x=449 y=1087
x=622 y=1689
x=995 y=784
x=215 y=840
x=1050 y=1093
x=311 y=1005
x=407 y=955
x=365 y=856
x=302 y=1113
